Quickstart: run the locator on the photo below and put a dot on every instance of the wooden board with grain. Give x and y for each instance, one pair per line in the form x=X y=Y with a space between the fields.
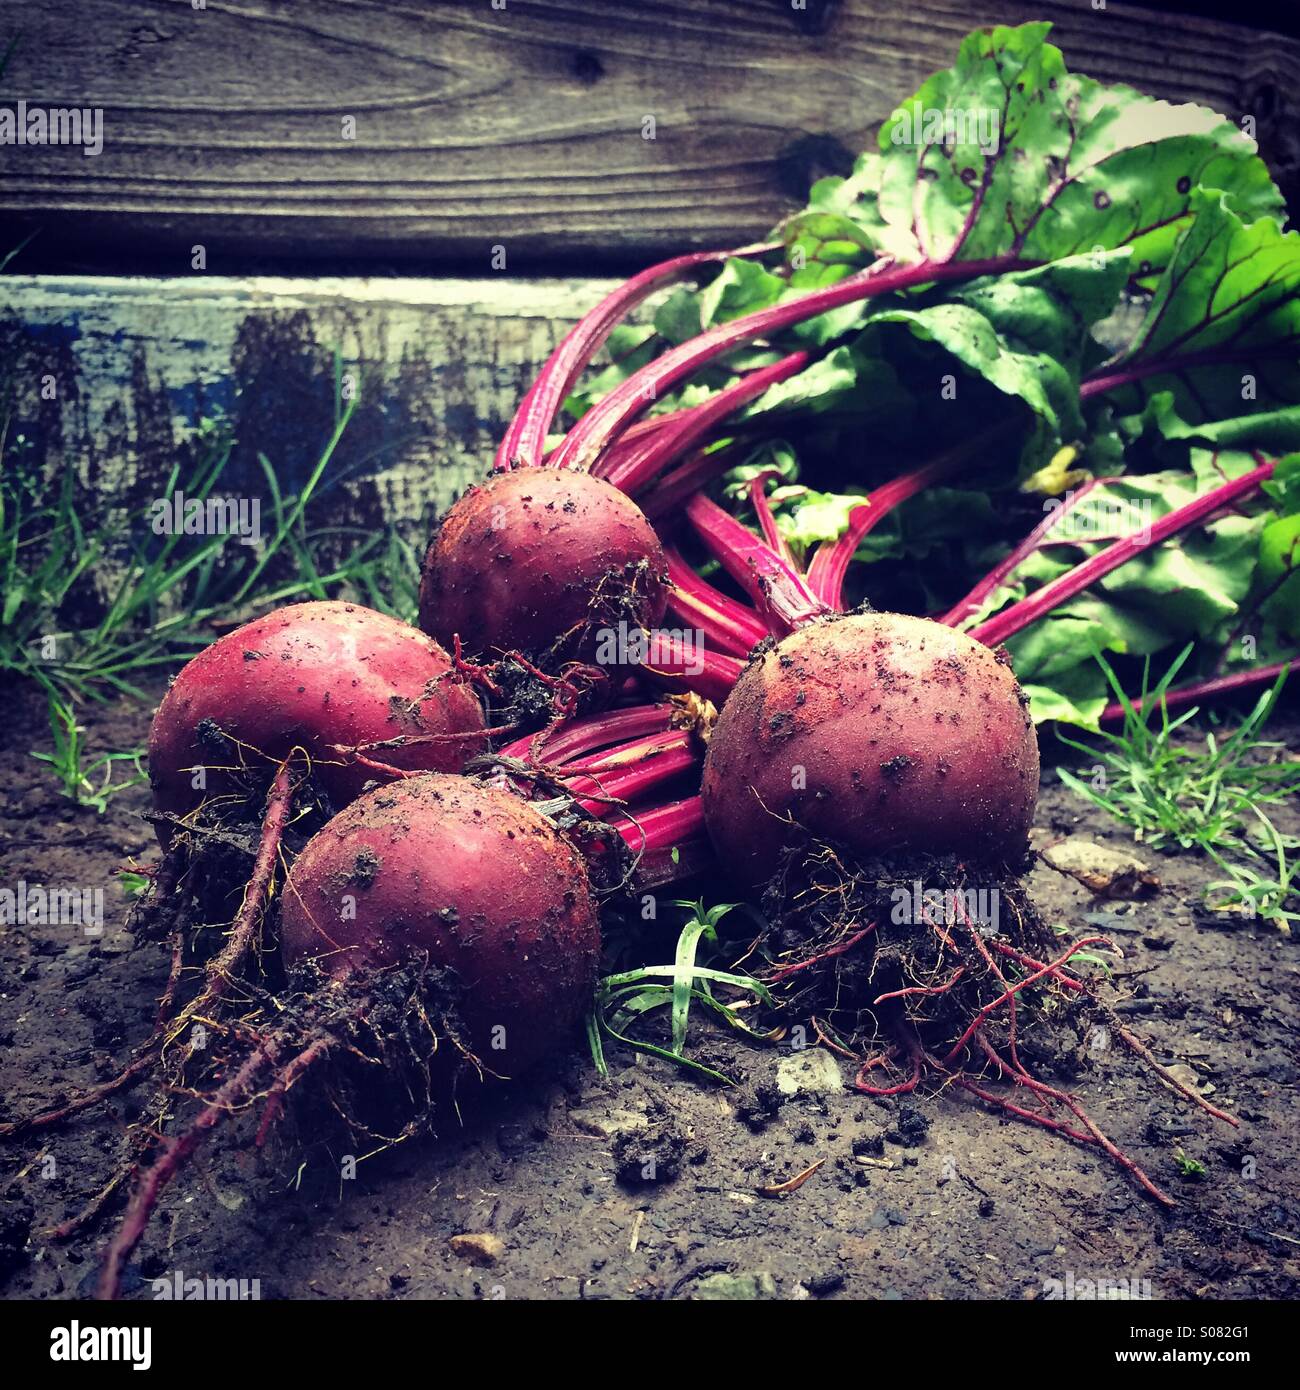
x=519 y=124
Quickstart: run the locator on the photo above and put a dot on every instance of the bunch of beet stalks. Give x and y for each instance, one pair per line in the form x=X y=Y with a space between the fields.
x=384 y=847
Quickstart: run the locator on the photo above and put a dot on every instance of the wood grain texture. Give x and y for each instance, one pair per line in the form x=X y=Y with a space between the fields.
x=108 y=378
x=519 y=127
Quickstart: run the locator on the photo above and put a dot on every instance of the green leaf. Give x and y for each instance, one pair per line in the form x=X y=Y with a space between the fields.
x=688 y=942
x=1196 y=585
x=630 y=346
x=820 y=386
x=1278 y=579
x=825 y=238
x=1077 y=696
x=809 y=517
x=1275 y=431
x=1222 y=332
x=1007 y=152
x=741 y=287
x=855 y=198
x=678 y=317
x=772 y=455
x=1023 y=333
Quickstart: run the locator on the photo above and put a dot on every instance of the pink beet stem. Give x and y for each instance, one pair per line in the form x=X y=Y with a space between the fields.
x=831 y=561
x=610 y=416
x=1020 y=615
x=687 y=479
x=772 y=582
x=1170 y=361
x=653 y=454
x=581 y=736
x=634 y=439
x=672 y=755
x=766 y=521
x=707 y=673
x=729 y=625
x=508 y=450
x=663 y=827
x=524 y=440
x=1194 y=692
x=633 y=751
x=1003 y=570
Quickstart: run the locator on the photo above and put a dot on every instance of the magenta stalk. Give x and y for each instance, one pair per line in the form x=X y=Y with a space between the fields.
x=1002 y=571
x=1170 y=362
x=682 y=432
x=773 y=583
x=830 y=561
x=663 y=827
x=524 y=441
x=681 y=667
x=763 y=511
x=729 y=625
x=687 y=479
x=1194 y=692
x=632 y=772
x=607 y=419
x=579 y=737
x=1020 y=615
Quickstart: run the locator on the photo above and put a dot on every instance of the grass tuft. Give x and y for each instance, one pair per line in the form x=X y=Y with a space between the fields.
x=631 y=999
x=1172 y=793
x=171 y=594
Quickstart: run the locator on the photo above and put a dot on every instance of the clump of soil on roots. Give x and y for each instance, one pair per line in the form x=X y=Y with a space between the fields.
x=536 y=690
x=939 y=973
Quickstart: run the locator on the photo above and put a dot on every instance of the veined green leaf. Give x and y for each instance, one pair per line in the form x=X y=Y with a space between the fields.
x=1222 y=331
x=1007 y=152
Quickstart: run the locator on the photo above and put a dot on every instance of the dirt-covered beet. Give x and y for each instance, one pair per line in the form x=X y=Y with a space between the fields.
x=881 y=732
x=538 y=559
x=471 y=879
x=349 y=685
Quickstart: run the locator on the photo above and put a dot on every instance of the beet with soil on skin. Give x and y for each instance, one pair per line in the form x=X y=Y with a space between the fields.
x=881 y=732
x=539 y=558
x=471 y=878
x=323 y=676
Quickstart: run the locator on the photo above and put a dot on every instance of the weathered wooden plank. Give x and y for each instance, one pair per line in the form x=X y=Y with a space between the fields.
x=108 y=377
x=518 y=123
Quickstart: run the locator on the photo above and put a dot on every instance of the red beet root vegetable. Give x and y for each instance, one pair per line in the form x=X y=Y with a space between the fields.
x=543 y=553
x=538 y=555
x=474 y=879
x=359 y=692
x=884 y=732
x=455 y=934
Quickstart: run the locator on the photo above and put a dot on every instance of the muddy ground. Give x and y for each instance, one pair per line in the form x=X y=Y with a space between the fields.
x=929 y=1198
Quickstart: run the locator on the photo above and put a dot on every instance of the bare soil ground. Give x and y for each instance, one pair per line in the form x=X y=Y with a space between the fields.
x=928 y=1197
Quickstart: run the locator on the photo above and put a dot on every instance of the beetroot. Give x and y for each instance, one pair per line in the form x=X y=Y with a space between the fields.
x=434 y=931
x=543 y=555
x=471 y=878
x=538 y=557
x=355 y=689
x=882 y=732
